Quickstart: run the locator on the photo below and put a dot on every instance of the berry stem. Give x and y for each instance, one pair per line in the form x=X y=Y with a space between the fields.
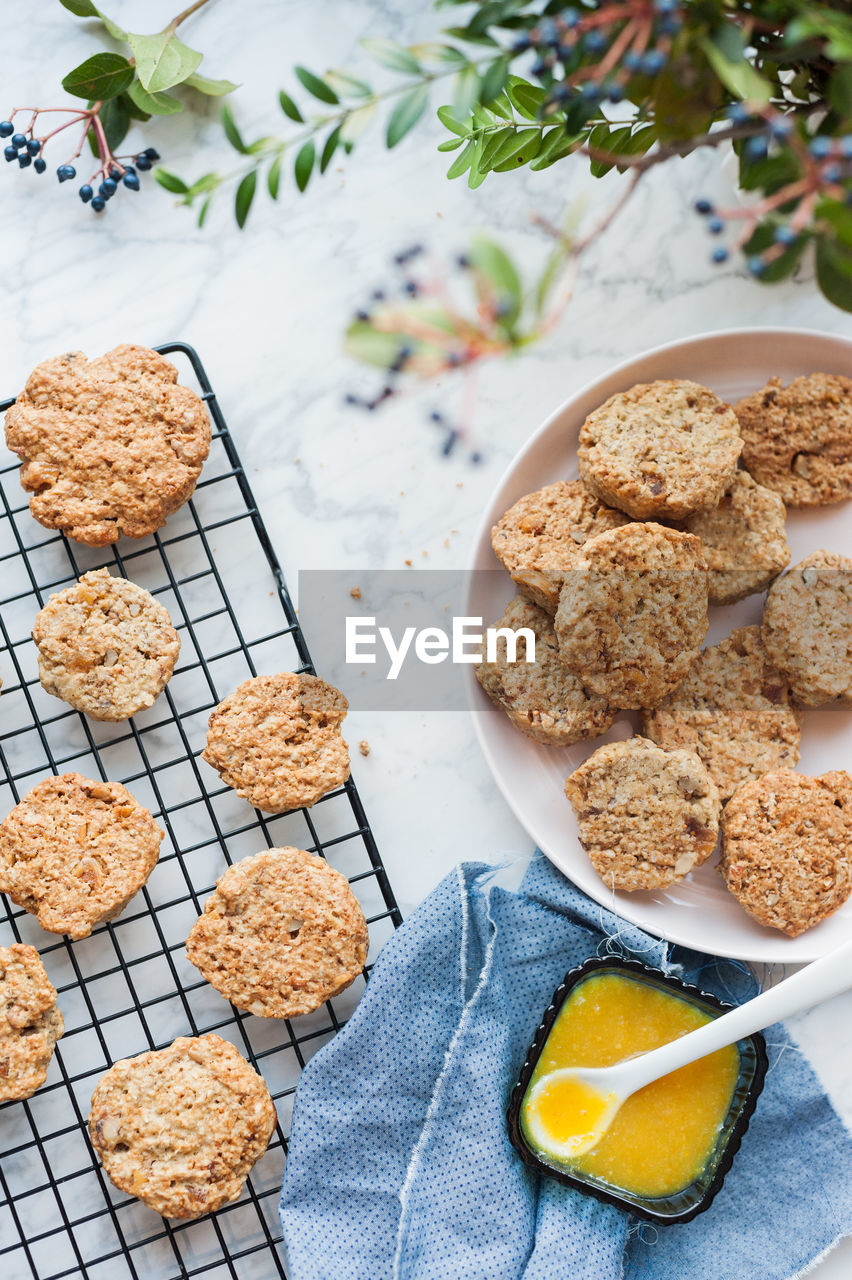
x=186 y=13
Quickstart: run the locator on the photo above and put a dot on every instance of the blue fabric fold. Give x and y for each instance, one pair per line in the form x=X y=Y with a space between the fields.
x=400 y=1167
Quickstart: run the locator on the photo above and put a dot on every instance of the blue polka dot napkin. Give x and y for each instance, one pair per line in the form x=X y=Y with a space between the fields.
x=400 y=1167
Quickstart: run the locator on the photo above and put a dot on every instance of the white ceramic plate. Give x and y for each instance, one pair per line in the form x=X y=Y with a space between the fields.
x=699 y=912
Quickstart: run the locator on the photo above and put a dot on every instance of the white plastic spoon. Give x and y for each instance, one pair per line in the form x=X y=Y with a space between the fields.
x=600 y=1091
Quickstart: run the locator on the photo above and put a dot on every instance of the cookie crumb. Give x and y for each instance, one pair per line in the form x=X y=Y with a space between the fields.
x=355 y=593
x=364 y=747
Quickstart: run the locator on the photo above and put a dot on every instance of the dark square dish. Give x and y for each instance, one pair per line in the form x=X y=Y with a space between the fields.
x=684 y=1205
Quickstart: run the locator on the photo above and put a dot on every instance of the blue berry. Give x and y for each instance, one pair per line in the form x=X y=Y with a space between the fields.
x=463 y=261
x=520 y=45
x=703 y=207
x=571 y=17
x=39 y=164
x=755 y=148
x=666 y=6
x=142 y=162
x=115 y=173
x=595 y=42
x=780 y=127
x=107 y=189
x=653 y=62
x=362 y=316
x=24 y=159
x=591 y=92
x=785 y=235
x=632 y=61
x=539 y=67
x=85 y=193
x=10 y=152
x=846 y=147
x=720 y=254
x=615 y=93
x=832 y=173
x=131 y=181
x=152 y=155
x=411 y=288
x=738 y=113
x=33 y=146
x=547 y=32
x=819 y=147
x=756 y=265
x=670 y=26
x=19 y=140
x=66 y=172
x=435 y=416
x=6 y=128
x=715 y=226
x=98 y=204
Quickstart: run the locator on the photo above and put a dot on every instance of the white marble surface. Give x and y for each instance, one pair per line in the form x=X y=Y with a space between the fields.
x=266 y=309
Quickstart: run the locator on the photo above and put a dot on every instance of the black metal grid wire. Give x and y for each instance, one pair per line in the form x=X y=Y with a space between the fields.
x=129 y=987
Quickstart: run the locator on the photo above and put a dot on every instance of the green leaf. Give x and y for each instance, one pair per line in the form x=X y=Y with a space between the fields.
x=331 y=145
x=465 y=90
x=500 y=272
x=101 y=77
x=451 y=144
x=232 y=133
x=85 y=9
x=115 y=119
x=289 y=107
x=344 y=83
x=317 y=87
x=304 y=165
x=834 y=272
x=273 y=178
x=202 y=212
x=373 y=347
x=462 y=162
x=785 y=263
x=244 y=197
x=171 y=181
x=494 y=79
x=492 y=144
x=432 y=51
x=739 y=77
x=162 y=60
x=451 y=121
x=391 y=55
x=517 y=150
x=525 y=98
x=155 y=104
x=211 y=88
x=135 y=113
x=555 y=143
x=406 y=113
x=356 y=122
x=840 y=90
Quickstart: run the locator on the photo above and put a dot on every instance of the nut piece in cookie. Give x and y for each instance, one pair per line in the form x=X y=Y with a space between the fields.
x=30 y=1023
x=543 y=699
x=662 y=450
x=787 y=848
x=807 y=628
x=105 y=646
x=74 y=852
x=182 y=1127
x=276 y=740
x=110 y=446
x=282 y=933
x=797 y=439
x=744 y=540
x=646 y=816
x=633 y=613
x=733 y=710
x=538 y=538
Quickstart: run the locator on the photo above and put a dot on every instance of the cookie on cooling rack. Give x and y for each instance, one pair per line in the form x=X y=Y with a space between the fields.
x=744 y=540
x=109 y=446
x=797 y=439
x=105 y=646
x=30 y=1023
x=807 y=625
x=633 y=613
x=181 y=1128
x=282 y=933
x=276 y=740
x=787 y=848
x=733 y=710
x=543 y=699
x=538 y=538
x=646 y=816
x=661 y=450
x=74 y=852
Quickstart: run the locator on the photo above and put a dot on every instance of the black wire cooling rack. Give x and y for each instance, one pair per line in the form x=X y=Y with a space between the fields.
x=129 y=987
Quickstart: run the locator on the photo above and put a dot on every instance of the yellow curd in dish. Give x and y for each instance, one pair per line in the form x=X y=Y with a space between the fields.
x=663 y=1136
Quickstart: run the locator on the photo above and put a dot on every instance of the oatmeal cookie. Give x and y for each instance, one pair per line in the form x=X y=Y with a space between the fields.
x=633 y=613
x=662 y=450
x=282 y=933
x=109 y=446
x=276 y=740
x=797 y=439
x=105 y=646
x=646 y=816
x=744 y=540
x=74 y=852
x=538 y=538
x=733 y=710
x=807 y=628
x=30 y=1023
x=182 y=1127
x=542 y=699
x=787 y=848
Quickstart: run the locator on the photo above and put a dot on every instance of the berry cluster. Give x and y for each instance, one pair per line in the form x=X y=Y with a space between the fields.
x=592 y=55
x=112 y=172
